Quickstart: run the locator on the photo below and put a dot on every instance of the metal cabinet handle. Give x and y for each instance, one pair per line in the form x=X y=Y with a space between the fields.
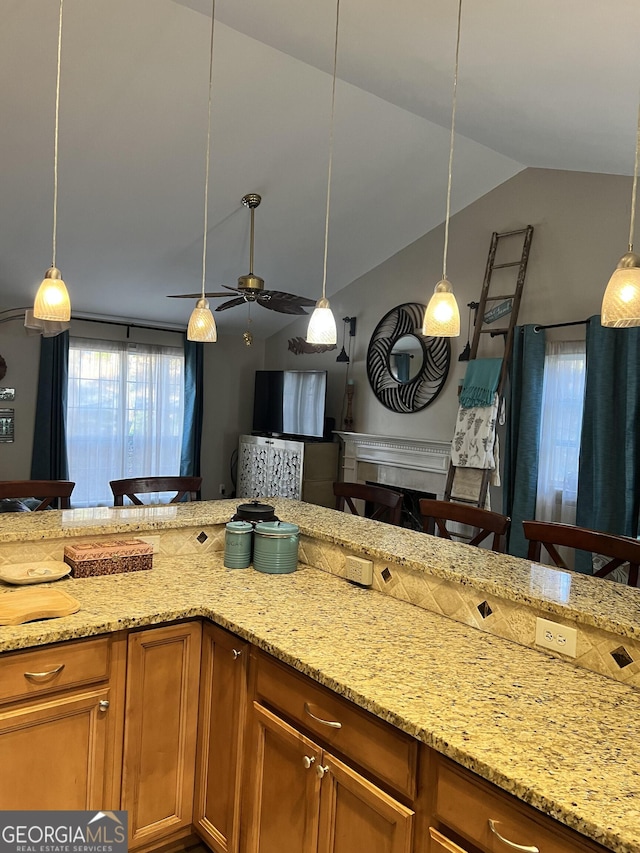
x=331 y=723
x=523 y=848
x=103 y=704
x=236 y=653
x=41 y=676
x=321 y=771
x=307 y=760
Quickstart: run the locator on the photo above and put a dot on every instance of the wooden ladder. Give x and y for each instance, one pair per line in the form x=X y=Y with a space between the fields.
x=500 y=305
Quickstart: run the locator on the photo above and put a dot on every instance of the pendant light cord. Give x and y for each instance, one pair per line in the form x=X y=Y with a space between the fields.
x=55 y=145
x=635 y=186
x=333 y=102
x=206 y=172
x=453 y=126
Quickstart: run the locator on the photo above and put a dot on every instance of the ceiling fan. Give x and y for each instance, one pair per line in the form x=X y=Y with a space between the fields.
x=251 y=287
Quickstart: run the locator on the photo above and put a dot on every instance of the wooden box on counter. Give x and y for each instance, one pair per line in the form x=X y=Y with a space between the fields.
x=90 y=559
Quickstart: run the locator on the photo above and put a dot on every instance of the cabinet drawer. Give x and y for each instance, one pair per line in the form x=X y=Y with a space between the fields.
x=468 y=805
x=376 y=746
x=42 y=670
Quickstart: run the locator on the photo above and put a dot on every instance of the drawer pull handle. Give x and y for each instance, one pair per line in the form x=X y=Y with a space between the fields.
x=524 y=848
x=236 y=653
x=307 y=760
x=103 y=704
x=331 y=723
x=321 y=771
x=42 y=676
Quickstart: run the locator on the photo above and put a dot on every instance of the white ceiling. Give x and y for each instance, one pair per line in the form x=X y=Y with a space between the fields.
x=541 y=83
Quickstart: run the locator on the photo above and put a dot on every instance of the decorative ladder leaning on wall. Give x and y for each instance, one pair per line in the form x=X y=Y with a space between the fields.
x=502 y=304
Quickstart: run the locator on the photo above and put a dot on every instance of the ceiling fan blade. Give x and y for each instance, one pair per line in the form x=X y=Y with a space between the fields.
x=289 y=297
x=240 y=300
x=195 y=295
x=282 y=306
x=235 y=289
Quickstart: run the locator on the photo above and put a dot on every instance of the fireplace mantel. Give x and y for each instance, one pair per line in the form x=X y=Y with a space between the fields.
x=410 y=463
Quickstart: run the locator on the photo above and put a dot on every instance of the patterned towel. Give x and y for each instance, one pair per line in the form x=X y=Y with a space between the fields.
x=474 y=437
x=480 y=382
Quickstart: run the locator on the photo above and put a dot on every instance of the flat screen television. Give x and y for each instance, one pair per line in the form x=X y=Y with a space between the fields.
x=290 y=402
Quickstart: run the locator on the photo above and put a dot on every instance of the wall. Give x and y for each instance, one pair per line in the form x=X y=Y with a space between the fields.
x=581 y=224
x=228 y=372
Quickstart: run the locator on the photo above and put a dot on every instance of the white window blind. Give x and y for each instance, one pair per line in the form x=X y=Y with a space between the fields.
x=124 y=414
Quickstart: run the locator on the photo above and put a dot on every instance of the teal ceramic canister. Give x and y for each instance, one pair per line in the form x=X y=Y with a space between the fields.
x=238 y=538
x=275 y=547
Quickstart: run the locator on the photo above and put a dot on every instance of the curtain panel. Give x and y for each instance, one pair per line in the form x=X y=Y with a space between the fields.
x=193 y=408
x=49 y=455
x=524 y=406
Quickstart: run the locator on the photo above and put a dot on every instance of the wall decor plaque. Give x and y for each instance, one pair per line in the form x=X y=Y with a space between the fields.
x=7 y=418
x=7 y=393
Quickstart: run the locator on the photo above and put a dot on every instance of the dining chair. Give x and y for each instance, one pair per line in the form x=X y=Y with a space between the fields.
x=380 y=504
x=620 y=549
x=186 y=488
x=45 y=491
x=435 y=515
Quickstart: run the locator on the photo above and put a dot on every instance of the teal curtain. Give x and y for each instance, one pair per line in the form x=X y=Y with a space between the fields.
x=49 y=456
x=524 y=411
x=193 y=408
x=609 y=481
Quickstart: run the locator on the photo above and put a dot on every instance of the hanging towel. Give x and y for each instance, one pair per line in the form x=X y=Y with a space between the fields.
x=474 y=437
x=480 y=382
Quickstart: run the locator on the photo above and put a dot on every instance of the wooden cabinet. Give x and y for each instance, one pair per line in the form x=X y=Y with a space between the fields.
x=284 y=468
x=161 y=718
x=299 y=794
x=480 y=816
x=60 y=726
x=223 y=694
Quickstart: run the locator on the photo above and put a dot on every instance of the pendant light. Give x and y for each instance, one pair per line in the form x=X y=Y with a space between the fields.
x=322 y=324
x=52 y=299
x=442 y=317
x=621 y=302
x=202 y=326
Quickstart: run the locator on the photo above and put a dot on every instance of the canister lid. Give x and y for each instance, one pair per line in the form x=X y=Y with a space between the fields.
x=239 y=526
x=255 y=511
x=277 y=529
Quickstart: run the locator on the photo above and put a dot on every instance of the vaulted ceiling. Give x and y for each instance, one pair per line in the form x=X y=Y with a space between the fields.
x=541 y=83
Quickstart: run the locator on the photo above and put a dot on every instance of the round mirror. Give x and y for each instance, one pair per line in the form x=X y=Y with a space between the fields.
x=406 y=371
x=406 y=358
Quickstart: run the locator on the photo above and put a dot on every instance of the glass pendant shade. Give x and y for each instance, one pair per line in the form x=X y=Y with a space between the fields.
x=322 y=324
x=621 y=301
x=202 y=326
x=442 y=317
x=52 y=299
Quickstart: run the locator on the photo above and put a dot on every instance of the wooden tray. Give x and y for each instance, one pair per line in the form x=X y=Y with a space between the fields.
x=43 y=571
x=27 y=604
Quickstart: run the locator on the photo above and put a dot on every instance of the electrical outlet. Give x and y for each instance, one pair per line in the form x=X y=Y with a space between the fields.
x=359 y=571
x=221 y=489
x=558 y=638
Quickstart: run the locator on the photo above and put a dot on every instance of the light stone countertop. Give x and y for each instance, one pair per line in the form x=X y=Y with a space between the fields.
x=559 y=738
x=591 y=601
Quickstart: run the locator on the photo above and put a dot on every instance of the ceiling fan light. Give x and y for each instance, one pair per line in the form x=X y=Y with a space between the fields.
x=202 y=325
x=442 y=317
x=621 y=301
x=322 y=324
x=52 y=299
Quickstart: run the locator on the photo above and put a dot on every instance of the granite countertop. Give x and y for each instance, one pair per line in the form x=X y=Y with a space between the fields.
x=556 y=736
x=610 y=606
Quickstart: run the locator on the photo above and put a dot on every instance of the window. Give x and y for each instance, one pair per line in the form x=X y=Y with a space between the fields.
x=562 y=405
x=124 y=414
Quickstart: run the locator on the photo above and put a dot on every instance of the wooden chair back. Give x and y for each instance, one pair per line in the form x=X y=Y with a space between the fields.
x=435 y=515
x=186 y=488
x=621 y=549
x=45 y=491
x=380 y=504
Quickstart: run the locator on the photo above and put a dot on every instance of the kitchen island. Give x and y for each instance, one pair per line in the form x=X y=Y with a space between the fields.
x=556 y=736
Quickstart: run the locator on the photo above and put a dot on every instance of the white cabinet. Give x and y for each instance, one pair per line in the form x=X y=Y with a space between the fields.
x=284 y=468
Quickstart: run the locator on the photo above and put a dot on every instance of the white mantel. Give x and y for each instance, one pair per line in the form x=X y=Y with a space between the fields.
x=410 y=463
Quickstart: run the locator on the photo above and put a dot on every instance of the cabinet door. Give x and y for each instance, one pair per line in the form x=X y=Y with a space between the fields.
x=53 y=753
x=161 y=717
x=357 y=815
x=285 y=469
x=442 y=844
x=282 y=787
x=223 y=701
